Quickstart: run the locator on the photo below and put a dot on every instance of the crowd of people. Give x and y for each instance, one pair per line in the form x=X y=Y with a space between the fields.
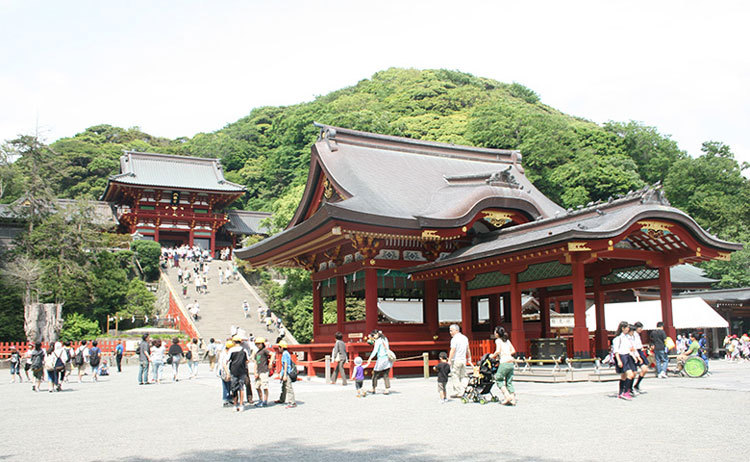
x=737 y=348
x=154 y=355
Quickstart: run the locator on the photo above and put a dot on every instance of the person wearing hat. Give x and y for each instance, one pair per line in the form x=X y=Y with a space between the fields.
x=238 y=371
x=224 y=374
x=262 y=359
x=286 y=366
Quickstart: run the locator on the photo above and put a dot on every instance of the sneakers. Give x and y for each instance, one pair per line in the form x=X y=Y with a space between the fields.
x=289 y=406
x=626 y=396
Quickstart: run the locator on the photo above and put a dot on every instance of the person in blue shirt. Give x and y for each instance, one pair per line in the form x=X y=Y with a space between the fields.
x=118 y=355
x=286 y=366
x=703 y=350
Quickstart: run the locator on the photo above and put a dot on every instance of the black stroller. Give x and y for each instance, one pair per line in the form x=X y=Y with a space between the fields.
x=479 y=388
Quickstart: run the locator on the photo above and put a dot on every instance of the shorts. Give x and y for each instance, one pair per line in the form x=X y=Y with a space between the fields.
x=441 y=387
x=237 y=384
x=38 y=373
x=26 y=367
x=628 y=364
x=358 y=384
x=261 y=382
x=15 y=369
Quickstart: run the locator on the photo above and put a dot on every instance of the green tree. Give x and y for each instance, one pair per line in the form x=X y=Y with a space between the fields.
x=77 y=327
x=148 y=253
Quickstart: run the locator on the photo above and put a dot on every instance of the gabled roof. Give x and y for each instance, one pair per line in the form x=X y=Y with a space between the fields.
x=598 y=221
x=247 y=222
x=176 y=172
x=389 y=180
x=689 y=275
x=738 y=295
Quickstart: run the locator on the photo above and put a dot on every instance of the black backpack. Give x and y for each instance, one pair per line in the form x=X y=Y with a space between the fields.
x=37 y=360
x=189 y=355
x=94 y=357
x=78 y=360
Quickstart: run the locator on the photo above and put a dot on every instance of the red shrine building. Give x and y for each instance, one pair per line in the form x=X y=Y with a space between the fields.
x=384 y=217
x=178 y=200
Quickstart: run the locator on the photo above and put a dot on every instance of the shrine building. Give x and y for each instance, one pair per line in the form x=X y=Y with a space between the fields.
x=385 y=217
x=178 y=200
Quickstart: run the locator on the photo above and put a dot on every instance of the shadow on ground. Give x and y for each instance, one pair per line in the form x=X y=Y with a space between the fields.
x=293 y=450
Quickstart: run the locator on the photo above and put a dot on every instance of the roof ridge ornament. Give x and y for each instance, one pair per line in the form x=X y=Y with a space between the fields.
x=503 y=178
x=655 y=195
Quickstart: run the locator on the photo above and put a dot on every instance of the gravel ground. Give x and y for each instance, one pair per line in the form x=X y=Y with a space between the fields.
x=117 y=420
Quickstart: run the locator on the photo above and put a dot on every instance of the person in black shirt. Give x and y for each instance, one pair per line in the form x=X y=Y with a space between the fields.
x=175 y=354
x=660 y=350
x=238 y=371
x=443 y=369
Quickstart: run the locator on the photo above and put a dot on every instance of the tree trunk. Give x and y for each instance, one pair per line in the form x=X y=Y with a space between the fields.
x=42 y=321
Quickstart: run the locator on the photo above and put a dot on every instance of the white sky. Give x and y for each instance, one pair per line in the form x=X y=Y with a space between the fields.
x=179 y=68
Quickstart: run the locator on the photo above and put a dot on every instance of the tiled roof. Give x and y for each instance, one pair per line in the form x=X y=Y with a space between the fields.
x=247 y=222
x=150 y=169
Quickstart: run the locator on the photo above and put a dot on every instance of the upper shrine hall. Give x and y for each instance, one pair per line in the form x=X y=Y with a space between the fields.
x=384 y=217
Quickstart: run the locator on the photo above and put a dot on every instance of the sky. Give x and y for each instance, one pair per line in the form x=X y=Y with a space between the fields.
x=179 y=68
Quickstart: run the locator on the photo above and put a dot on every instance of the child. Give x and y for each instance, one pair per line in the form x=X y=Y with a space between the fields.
x=15 y=365
x=104 y=369
x=358 y=375
x=442 y=369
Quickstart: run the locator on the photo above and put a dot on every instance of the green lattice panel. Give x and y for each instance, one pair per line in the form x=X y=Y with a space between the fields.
x=492 y=279
x=547 y=270
x=635 y=273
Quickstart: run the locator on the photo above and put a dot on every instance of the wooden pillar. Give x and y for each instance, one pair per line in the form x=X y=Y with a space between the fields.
x=340 y=303
x=580 y=332
x=474 y=312
x=494 y=311
x=665 y=293
x=430 y=307
x=191 y=237
x=601 y=342
x=544 y=312
x=517 y=334
x=317 y=309
x=466 y=312
x=156 y=234
x=507 y=317
x=212 y=249
x=371 y=299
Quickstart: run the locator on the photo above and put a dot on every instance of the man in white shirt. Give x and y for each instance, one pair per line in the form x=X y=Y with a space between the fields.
x=459 y=357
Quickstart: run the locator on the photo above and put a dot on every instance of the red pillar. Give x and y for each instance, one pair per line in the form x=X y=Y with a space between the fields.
x=212 y=249
x=430 y=306
x=506 y=307
x=580 y=332
x=517 y=334
x=494 y=311
x=544 y=311
x=466 y=312
x=371 y=299
x=340 y=303
x=190 y=237
x=317 y=309
x=665 y=293
x=601 y=339
x=156 y=234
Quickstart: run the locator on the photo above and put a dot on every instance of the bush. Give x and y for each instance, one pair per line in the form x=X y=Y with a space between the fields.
x=139 y=300
x=147 y=253
x=78 y=327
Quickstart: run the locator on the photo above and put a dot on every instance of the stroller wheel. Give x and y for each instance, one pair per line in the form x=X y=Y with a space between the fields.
x=464 y=400
x=482 y=401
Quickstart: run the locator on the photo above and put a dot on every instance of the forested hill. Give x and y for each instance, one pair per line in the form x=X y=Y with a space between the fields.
x=571 y=160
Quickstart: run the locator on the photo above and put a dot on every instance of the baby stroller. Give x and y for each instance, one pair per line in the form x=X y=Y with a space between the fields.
x=481 y=381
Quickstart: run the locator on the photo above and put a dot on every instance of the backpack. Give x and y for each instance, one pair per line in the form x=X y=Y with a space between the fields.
x=189 y=355
x=94 y=357
x=37 y=360
x=78 y=360
x=292 y=372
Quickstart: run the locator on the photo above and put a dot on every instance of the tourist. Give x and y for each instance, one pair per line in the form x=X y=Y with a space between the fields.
x=221 y=276
x=193 y=356
x=69 y=360
x=179 y=276
x=269 y=322
x=223 y=373
x=339 y=358
x=262 y=359
x=358 y=375
x=156 y=357
x=504 y=352
x=144 y=357
x=15 y=365
x=459 y=357
x=228 y=275
x=703 y=350
x=622 y=347
x=205 y=283
x=246 y=308
x=692 y=350
x=212 y=353
x=261 y=313
x=37 y=365
x=383 y=362
x=175 y=356
x=94 y=360
x=658 y=338
x=443 y=370
x=238 y=370
x=641 y=359
x=287 y=366
x=82 y=359
x=64 y=358
x=27 y=361
x=50 y=365
x=119 y=350
x=198 y=285
x=282 y=334
x=250 y=349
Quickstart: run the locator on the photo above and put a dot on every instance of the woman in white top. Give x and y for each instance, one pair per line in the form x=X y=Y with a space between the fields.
x=641 y=359
x=383 y=363
x=504 y=350
x=622 y=349
x=157 y=360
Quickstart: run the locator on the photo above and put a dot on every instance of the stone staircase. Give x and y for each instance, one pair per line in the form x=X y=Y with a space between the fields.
x=221 y=307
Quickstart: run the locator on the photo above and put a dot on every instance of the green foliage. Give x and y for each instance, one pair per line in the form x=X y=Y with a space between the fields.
x=11 y=314
x=139 y=301
x=526 y=94
x=78 y=327
x=147 y=253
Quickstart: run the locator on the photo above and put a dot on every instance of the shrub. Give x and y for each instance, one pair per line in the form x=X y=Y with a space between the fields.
x=77 y=327
x=147 y=253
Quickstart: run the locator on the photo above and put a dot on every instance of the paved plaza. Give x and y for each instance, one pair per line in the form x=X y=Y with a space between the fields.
x=117 y=420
